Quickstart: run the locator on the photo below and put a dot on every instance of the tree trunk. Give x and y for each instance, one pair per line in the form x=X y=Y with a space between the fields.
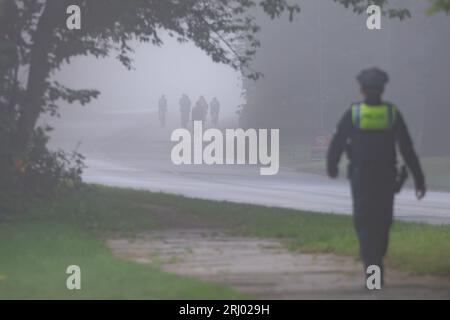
x=38 y=73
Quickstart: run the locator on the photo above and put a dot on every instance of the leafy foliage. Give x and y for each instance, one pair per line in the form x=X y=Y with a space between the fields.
x=41 y=174
x=34 y=42
x=360 y=6
x=439 y=5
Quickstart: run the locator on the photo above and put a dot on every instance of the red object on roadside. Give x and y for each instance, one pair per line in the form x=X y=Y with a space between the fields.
x=20 y=166
x=320 y=146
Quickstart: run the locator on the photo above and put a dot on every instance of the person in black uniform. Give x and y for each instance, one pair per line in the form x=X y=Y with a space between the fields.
x=369 y=133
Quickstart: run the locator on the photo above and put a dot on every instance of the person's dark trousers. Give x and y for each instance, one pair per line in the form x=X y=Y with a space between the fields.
x=373 y=202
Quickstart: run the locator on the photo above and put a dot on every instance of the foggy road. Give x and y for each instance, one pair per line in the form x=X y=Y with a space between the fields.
x=92 y=93
x=150 y=168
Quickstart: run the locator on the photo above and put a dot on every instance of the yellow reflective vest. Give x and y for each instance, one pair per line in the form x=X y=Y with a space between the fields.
x=381 y=117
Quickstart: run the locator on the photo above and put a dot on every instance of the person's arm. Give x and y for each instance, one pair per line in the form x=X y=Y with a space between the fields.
x=409 y=155
x=339 y=144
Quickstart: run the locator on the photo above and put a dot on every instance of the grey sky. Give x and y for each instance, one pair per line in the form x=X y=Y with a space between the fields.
x=172 y=69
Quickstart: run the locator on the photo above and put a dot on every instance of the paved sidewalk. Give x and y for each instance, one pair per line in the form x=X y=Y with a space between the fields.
x=265 y=269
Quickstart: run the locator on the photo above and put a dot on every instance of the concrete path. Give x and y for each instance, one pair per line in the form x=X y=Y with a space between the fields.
x=264 y=269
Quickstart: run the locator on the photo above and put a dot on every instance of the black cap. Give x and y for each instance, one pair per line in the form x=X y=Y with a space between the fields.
x=373 y=77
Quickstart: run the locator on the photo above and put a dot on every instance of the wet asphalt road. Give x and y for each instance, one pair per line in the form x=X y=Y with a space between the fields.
x=132 y=150
x=150 y=168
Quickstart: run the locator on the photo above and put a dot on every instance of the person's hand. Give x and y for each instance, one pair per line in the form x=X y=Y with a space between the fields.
x=333 y=172
x=420 y=192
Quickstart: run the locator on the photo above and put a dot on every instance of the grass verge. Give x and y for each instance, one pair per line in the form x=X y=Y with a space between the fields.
x=36 y=249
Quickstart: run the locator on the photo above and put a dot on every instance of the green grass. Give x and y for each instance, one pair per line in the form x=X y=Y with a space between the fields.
x=36 y=248
x=35 y=255
x=415 y=247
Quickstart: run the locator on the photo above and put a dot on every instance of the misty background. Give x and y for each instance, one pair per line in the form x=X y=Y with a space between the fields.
x=309 y=68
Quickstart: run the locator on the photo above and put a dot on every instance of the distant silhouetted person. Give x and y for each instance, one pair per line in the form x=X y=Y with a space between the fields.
x=162 y=110
x=204 y=106
x=197 y=113
x=215 y=110
x=369 y=133
x=200 y=110
x=185 y=110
